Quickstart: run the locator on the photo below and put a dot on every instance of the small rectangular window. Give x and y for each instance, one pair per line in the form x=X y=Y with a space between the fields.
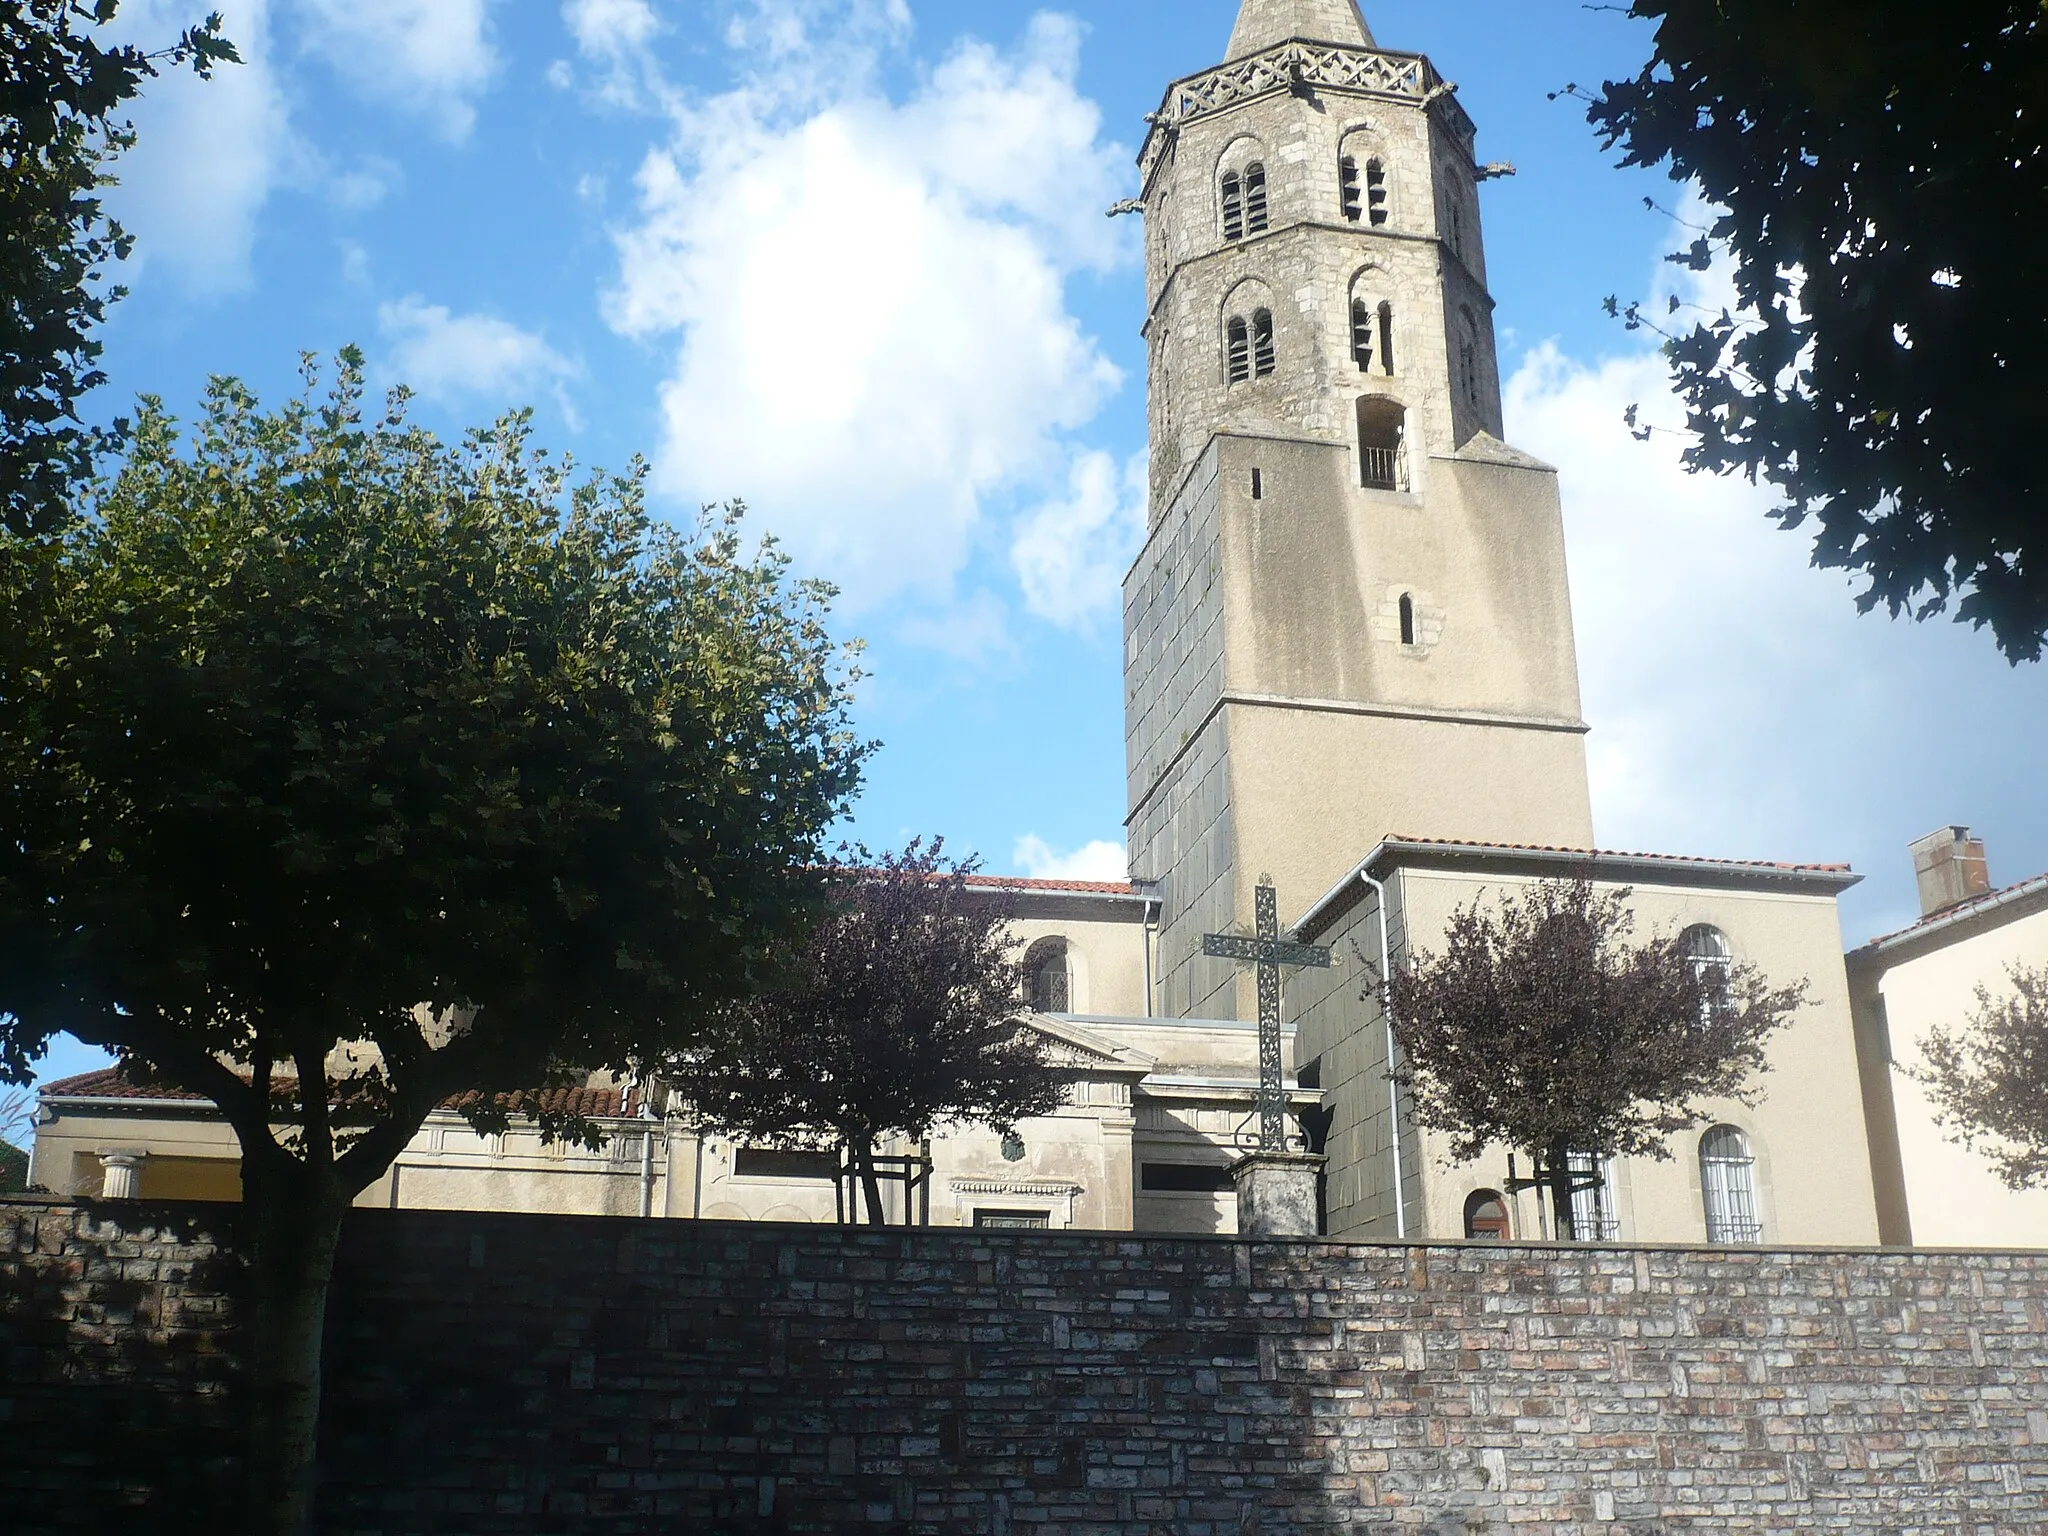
x=784 y=1163
x=1014 y=1221
x=1258 y=486
x=1187 y=1179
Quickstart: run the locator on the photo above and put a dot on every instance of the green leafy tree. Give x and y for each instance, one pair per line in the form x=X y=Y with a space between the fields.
x=902 y=1016
x=1988 y=1081
x=61 y=92
x=1880 y=173
x=1543 y=1027
x=343 y=772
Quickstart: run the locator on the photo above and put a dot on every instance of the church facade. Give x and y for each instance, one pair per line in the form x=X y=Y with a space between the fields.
x=1350 y=669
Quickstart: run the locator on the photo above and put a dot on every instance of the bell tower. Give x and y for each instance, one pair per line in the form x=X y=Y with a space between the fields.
x=1350 y=618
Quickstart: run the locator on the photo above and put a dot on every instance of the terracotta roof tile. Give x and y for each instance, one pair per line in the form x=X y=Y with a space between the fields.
x=596 y=1103
x=1962 y=909
x=1085 y=887
x=1612 y=853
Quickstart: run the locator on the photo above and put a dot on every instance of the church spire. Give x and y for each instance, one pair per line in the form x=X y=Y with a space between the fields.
x=1262 y=23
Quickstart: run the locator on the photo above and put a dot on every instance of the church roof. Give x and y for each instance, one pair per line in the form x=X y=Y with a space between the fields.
x=1263 y=23
x=1830 y=879
x=1078 y=887
x=111 y=1084
x=1974 y=915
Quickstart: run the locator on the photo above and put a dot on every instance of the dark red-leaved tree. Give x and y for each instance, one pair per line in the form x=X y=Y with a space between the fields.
x=1988 y=1081
x=902 y=1015
x=1542 y=1026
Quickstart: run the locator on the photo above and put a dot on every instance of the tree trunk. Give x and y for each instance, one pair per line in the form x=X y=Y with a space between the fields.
x=1560 y=1170
x=294 y=1227
x=870 y=1182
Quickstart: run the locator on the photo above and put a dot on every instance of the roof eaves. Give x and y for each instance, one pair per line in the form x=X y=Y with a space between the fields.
x=1955 y=917
x=1831 y=878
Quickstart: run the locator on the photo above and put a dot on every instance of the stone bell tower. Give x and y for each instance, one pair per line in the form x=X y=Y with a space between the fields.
x=1350 y=618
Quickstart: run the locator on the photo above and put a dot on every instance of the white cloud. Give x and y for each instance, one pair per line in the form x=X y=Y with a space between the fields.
x=1740 y=705
x=1071 y=554
x=451 y=358
x=208 y=152
x=870 y=294
x=609 y=28
x=433 y=57
x=1101 y=860
x=615 y=36
x=974 y=630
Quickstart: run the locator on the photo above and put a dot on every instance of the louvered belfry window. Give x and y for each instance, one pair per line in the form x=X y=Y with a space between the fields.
x=1361 y=335
x=1348 y=187
x=1238 y=352
x=1233 y=207
x=1263 y=358
x=1255 y=199
x=1376 y=192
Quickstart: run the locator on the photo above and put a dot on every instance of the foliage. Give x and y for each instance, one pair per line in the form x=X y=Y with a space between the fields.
x=343 y=772
x=1879 y=173
x=17 y=1126
x=903 y=1016
x=1988 y=1082
x=1542 y=1026
x=17 y=1114
x=60 y=91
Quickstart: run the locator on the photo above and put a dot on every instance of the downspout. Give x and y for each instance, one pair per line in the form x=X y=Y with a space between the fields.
x=646 y=1153
x=1393 y=1088
x=1151 y=909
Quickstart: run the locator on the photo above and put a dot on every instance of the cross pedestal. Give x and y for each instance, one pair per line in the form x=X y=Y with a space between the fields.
x=1276 y=1194
x=1276 y=1187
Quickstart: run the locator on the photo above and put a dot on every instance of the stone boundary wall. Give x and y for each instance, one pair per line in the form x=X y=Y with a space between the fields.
x=527 y=1374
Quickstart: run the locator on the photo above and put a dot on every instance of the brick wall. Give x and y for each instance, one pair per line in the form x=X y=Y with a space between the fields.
x=535 y=1374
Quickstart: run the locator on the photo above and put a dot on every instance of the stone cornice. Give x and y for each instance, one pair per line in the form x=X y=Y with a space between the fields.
x=1293 y=66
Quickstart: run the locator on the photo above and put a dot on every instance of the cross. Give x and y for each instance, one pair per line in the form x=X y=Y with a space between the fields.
x=1269 y=953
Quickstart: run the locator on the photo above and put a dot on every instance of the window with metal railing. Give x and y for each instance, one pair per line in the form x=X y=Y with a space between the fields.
x=1593 y=1213
x=1382 y=426
x=1728 y=1187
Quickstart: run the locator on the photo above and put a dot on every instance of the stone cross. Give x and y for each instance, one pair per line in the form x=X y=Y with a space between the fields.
x=1269 y=953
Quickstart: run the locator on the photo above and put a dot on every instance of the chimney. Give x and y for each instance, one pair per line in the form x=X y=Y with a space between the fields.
x=1949 y=864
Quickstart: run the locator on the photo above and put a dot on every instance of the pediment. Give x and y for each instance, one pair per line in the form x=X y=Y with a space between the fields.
x=1081 y=1049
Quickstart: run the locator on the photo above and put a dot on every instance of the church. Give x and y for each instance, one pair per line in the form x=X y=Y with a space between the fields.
x=1350 y=675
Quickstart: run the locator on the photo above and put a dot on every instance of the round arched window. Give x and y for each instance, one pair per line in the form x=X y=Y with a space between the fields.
x=1048 y=978
x=1728 y=1187
x=1486 y=1217
x=1706 y=951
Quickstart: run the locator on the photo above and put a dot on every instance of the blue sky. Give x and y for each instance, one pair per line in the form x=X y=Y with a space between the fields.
x=848 y=261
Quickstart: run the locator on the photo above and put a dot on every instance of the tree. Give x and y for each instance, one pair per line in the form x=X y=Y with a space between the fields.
x=17 y=1126
x=901 y=1017
x=1879 y=172
x=1542 y=1027
x=1988 y=1082
x=60 y=91
x=343 y=772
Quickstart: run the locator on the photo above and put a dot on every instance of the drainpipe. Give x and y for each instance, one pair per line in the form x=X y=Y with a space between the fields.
x=1151 y=913
x=1393 y=1088
x=646 y=1153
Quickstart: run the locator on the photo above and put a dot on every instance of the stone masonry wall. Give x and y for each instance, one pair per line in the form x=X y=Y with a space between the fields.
x=533 y=1374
